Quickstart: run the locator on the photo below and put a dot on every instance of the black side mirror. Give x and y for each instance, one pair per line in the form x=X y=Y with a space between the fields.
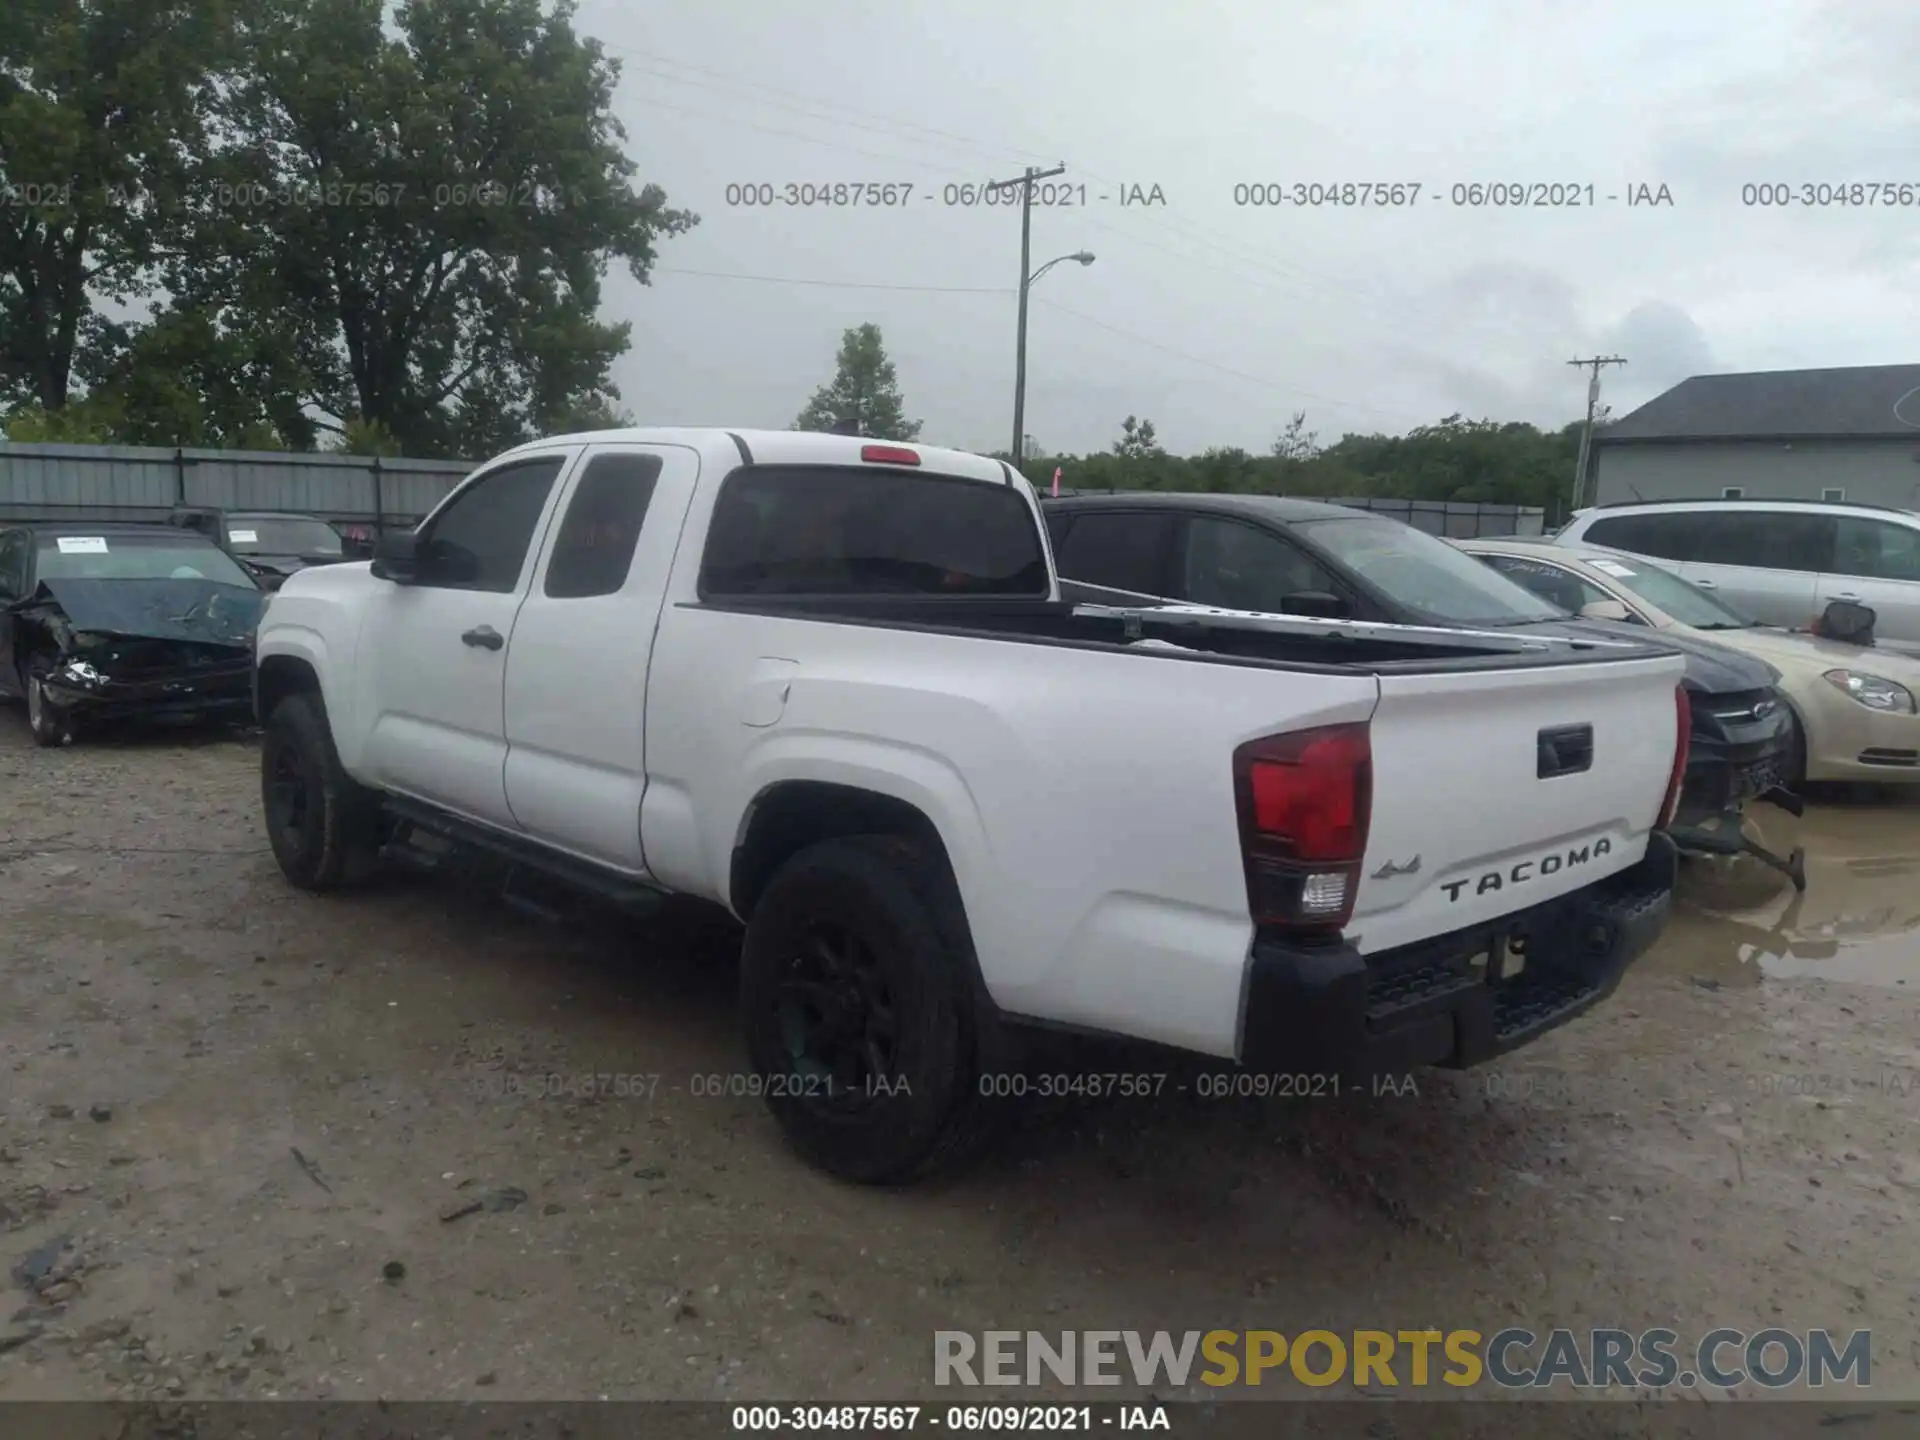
x=1848 y=622
x=1319 y=604
x=397 y=558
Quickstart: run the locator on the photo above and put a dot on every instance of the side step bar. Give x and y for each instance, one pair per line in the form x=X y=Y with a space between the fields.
x=610 y=885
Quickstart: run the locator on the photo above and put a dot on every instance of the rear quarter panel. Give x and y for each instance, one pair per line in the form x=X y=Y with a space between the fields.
x=1084 y=797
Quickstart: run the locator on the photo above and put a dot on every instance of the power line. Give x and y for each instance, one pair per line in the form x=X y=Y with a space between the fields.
x=816 y=108
x=806 y=139
x=1284 y=269
x=868 y=120
x=1260 y=380
x=836 y=284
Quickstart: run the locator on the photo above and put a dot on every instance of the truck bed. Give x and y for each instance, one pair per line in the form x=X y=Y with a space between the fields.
x=1199 y=633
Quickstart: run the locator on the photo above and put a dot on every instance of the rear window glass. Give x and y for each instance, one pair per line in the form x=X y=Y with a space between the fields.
x=832 y=530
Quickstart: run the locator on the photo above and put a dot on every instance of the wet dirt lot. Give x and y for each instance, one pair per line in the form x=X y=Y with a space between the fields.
x=298 y=1149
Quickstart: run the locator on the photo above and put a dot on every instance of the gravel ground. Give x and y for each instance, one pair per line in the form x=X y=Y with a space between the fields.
x=259 y=1144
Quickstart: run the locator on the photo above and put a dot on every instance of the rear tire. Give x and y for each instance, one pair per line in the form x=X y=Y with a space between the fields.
x=51 y=724
x=323 y=826
x=861 y=1023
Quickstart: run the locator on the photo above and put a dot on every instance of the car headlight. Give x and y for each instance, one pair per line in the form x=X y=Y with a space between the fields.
x=1873 y=692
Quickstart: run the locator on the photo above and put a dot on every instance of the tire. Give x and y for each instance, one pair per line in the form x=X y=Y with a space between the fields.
x=50 y=724
x=902 y=1100
x=322 y=825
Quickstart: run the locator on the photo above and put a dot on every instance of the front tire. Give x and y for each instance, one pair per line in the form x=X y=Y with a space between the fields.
x=855 y=983
x=50 y=723
x=322 y=825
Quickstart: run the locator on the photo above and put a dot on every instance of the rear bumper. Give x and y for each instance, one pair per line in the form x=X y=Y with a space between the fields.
x=1331 y=1011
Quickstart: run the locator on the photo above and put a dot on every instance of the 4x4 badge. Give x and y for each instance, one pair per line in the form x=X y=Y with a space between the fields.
x=1389 y=870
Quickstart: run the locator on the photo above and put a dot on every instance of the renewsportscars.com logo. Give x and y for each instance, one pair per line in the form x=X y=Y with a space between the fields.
x=1512 y=1359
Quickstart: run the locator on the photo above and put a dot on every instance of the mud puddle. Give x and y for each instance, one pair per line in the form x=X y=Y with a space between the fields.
x=1857 y=923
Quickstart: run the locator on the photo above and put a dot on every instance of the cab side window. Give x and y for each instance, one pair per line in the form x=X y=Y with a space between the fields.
x=1875 y=549
x=598 y=534
x=480 y=540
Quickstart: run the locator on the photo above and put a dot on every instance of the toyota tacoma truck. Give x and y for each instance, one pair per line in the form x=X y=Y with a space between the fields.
x=829 y=684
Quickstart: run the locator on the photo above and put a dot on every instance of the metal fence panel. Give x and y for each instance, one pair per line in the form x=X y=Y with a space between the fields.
x=120 y=482
x=1453 y=519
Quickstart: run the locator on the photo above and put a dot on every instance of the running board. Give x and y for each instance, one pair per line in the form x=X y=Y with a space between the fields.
x=608 y=884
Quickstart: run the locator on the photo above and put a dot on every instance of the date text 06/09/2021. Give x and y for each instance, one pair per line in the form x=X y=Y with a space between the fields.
x=988 y=1419
x=1458 y=195
x=965 y=195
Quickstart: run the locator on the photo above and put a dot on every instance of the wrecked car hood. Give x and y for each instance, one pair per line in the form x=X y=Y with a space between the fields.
x=200 y=611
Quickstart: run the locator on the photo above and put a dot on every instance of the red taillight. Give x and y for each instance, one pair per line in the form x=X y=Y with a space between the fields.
x=888 y=455
x=1304 y=801
x=1683 y=722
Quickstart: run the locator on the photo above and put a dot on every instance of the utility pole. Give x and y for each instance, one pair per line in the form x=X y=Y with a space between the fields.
x=1025 y=182
x=1586 y=433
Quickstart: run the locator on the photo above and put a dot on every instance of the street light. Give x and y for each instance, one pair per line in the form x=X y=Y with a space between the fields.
x=1082 y=257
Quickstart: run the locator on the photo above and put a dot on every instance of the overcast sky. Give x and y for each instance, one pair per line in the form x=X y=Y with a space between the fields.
x=1217 y=320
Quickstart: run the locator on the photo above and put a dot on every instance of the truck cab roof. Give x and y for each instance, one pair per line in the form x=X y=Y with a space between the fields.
x=781 y=447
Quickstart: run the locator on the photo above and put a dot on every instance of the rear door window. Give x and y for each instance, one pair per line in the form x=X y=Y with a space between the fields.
x=1121 y=550
x=849 y=530
x=1766 y=540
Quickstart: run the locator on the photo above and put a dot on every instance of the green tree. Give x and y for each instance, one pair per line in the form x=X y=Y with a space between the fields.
x=426 y=212
x=1137 y=440
x=182 y=380
x=864 y=389
x=103 y=111
x=1296 y=442
x=361 y=436
x=79 y=422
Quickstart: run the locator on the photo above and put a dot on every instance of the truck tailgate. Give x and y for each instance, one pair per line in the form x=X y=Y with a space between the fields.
x=1496 y=790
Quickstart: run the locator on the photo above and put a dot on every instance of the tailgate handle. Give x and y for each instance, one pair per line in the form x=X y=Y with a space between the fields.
x=1565 y=750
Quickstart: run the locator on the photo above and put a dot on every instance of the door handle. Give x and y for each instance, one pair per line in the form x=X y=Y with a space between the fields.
x=486 y=637
x=1706 y=585
x=1848 y=596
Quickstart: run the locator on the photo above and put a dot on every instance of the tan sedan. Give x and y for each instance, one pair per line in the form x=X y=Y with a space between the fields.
x=1854 y=708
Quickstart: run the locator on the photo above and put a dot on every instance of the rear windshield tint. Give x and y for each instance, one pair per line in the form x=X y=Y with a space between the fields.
x=834 y=530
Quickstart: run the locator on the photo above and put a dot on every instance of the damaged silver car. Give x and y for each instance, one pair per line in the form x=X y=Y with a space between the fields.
x=123 y=622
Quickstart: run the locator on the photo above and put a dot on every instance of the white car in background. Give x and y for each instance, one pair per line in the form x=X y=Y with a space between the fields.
x=1854 y=707
x=1781 y=561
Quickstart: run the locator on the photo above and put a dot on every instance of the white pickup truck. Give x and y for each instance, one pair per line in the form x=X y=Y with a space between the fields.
x=830 y=684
